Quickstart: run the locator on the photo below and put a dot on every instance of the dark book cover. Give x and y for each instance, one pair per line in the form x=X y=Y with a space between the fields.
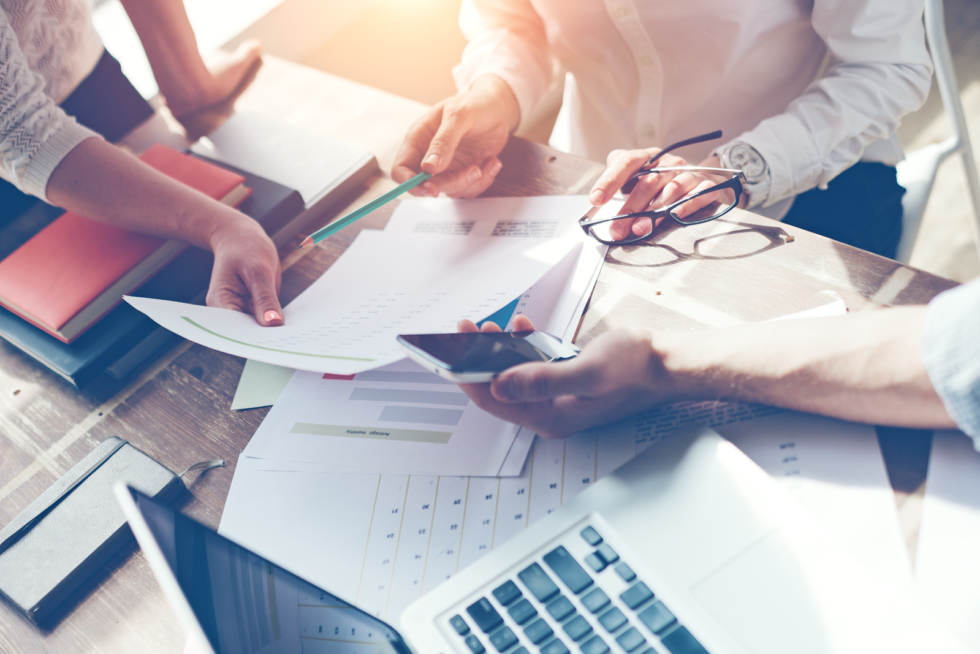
x=124 y=328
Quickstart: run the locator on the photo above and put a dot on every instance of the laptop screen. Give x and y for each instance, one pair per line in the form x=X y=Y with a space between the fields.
x=247 y=605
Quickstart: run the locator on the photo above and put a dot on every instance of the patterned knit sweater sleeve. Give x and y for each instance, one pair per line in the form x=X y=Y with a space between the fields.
x=35 y=133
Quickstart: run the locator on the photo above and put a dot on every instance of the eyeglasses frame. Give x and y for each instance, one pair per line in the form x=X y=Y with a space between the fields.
x=735 y=183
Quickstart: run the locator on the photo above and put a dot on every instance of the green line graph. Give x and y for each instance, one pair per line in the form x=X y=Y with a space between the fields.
x=272 y=349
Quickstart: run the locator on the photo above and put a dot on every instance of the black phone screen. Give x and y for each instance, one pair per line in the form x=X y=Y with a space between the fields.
x=487 y=352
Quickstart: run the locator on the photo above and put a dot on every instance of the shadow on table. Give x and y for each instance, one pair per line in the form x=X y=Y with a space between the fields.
x=742 y=242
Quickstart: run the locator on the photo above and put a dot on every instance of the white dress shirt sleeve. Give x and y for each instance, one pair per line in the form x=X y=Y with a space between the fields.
x=880 y=70
x=35 y=133
x=951 y=352
x=507 y=39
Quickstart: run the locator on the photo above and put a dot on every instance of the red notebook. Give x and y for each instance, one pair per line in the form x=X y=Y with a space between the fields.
x=75 y=270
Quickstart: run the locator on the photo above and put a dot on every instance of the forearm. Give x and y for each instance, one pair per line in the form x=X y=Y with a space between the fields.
x=170 y=45
x=100 y=181
x=866 y=368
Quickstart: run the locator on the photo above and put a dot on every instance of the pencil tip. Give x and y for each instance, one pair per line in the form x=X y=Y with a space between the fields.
x=307 y=243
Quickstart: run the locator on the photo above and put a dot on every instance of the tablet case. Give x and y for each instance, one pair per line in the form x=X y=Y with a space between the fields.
x=75 y=526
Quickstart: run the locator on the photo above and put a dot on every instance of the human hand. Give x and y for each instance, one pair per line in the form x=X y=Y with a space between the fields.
x=246 y=272
x=660 y=189
x=458 y=141
x=616 y=375
x=227 y=75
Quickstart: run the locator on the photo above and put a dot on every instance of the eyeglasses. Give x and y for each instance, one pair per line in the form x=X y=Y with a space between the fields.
x=618 y=230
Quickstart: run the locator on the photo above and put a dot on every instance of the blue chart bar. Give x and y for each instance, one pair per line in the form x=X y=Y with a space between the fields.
x=501 y=317
x=401 y=377
x=423 y=415
x=408 y=395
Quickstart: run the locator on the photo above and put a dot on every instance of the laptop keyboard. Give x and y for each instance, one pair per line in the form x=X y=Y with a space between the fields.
x=562 y=604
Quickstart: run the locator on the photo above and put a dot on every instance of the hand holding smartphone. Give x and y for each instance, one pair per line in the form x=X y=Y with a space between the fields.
x=477 y=357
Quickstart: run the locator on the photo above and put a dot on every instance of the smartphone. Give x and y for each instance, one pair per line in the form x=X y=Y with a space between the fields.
x=479 y=356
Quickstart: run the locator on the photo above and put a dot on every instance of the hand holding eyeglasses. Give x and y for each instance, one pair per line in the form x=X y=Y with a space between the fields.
x=661 y=185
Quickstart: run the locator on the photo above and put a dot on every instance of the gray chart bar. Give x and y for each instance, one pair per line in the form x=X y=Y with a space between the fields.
x=408 y=395
x=420 y=414
x=401 y=377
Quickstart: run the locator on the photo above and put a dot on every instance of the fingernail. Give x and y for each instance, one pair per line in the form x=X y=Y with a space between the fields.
x=496 y=168
x=272 y=315
x=474 y=175
x=432 y=160
x=596 y=197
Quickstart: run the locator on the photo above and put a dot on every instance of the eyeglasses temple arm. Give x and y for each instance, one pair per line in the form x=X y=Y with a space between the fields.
x=680 y=144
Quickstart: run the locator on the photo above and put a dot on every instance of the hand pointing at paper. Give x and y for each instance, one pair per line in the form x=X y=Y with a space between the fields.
x=458 y=141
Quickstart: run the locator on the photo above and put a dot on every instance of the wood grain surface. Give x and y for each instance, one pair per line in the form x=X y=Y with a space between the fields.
x=743 y=268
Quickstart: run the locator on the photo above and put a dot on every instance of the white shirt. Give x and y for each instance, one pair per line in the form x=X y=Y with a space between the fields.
x=648 y=73
x=47 y=47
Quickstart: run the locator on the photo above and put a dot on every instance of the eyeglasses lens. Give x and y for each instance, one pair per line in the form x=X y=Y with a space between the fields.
x=714 y=205
x=624 y=230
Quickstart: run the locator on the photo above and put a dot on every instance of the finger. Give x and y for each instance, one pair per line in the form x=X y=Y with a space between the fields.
x=261 y=283
x=699 y=202
x=442 y=147
x=490 y=328
x=523 y=324
x=537 y=382
x=620 y=167
x=408 y=159
x=645 y=192
x=466 y=327
x=681 y=186
x=470 y=182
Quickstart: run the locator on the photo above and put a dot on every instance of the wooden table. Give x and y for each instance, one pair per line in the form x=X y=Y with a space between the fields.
x=743 y=268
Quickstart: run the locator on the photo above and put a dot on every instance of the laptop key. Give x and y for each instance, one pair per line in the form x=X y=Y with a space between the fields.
x=636 y=595
x=607 y=553
x=507 y=592
x=554 y=647
x=595 y=645
x=459 y=624
x=680 y=641
x=484 y=615
x=591 y=536
x=612 y=619
x=568 y=570
x=522 y=611
x=656 y=617
x=475 y=645
x=595 y=562
x=595 y=600
x=503 y=639
x=538 y=582
x=648 y=650
x=560 y=608
x=538 y=631
x=630 y=639
x=625 y=572
x=522 y=650
x=577 y=628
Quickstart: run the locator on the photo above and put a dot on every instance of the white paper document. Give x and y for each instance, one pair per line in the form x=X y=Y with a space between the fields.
x=399 y=417
x=383 y=285
x=381 y=540
x=947 y=567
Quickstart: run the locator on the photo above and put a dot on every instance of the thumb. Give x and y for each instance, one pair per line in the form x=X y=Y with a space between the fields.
x=537 y=382
x=265 y=300
x=443 y=146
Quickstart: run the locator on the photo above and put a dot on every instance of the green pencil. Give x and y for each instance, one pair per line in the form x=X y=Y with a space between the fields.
x=338 y=225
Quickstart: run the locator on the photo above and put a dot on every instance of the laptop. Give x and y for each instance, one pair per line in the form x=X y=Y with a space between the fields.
x=687 y=549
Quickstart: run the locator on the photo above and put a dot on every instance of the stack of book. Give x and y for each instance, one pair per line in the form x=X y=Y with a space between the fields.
x=61 y=291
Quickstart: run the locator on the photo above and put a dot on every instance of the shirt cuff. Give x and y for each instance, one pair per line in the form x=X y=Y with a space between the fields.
x=951 y=353
x=47 y=157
